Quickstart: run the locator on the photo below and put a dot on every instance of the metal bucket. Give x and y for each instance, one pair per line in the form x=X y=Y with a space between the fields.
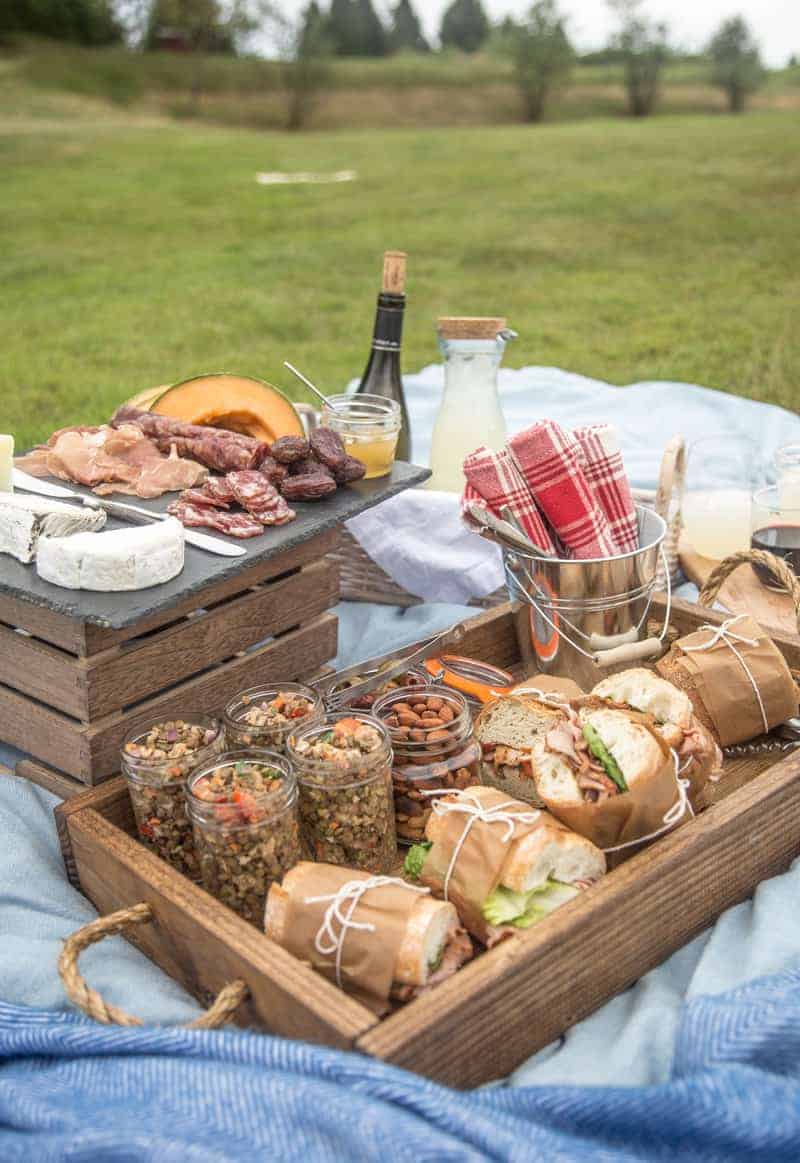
x=585 y=619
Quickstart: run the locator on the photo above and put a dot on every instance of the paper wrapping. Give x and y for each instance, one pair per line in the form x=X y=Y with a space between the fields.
x=483 y=856
x=368 y=958
x=721 y=683
x=551 y=684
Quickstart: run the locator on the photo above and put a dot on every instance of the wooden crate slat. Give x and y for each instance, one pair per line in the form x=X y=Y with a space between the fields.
x=203 y=944
x=111 y=799
x=129 y=673
x=526 y=992
x=42 y=623
x=53 y=781
x=42 y=671
x=42 y=731
x=295 y=654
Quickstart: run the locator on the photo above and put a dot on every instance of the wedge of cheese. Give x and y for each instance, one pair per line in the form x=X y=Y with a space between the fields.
x=122 y=559
x=24 y=521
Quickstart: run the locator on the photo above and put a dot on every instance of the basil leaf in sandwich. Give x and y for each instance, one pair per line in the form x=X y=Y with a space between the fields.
x=604 y=756
x=523 y=909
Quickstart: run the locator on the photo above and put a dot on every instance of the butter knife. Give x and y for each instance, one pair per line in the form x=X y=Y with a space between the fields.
x=122 y=510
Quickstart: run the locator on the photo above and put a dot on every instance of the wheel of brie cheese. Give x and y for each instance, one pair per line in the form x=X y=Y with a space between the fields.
x=122 y=559
x=26 y=521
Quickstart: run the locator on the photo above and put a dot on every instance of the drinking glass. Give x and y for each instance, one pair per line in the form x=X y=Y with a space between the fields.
x=722 y=472
x=776 y=528
x=787 y=466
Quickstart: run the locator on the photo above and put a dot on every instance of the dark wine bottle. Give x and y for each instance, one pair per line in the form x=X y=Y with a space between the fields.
x=382 y=374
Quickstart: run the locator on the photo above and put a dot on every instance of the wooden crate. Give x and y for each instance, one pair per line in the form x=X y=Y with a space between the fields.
x=70 y=690
x=510 y=1001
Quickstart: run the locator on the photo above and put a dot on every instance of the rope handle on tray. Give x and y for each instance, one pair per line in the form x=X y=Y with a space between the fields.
x=671 y=477
x=775 y=565
x=92 y=1003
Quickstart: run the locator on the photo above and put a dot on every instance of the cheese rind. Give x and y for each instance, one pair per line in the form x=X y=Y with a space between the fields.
x=24 y=521
x=122 y=559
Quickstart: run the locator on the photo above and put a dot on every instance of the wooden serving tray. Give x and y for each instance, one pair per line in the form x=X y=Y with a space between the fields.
x=508 y=1002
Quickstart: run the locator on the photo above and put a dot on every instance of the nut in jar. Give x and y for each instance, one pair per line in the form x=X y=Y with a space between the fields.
x=434 y=749
x=266 y=716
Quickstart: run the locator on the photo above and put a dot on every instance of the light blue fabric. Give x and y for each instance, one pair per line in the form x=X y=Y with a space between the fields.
x=721 y=1074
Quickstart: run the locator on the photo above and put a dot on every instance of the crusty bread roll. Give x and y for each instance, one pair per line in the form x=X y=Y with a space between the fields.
x=553 y=852
x=513 y=722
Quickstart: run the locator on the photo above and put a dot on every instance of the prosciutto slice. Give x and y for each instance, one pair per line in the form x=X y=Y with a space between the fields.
x=215 y=447
x=112 y=460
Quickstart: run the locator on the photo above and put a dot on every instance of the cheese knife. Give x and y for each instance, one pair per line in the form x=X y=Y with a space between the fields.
x=122 y=510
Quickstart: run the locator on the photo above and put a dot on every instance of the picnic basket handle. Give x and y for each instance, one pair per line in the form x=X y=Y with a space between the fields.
x=776 y=566
x=92 y=1003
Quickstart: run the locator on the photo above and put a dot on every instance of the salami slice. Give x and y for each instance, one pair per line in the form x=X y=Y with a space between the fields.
x=201 y=497
x=254 y=493
x=219 y=489
x=236 y=524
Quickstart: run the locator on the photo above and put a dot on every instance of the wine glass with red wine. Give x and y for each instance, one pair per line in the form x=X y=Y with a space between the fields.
x=776 y=528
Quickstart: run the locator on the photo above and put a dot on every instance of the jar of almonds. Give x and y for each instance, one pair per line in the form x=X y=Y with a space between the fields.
x=156 y=762
x=344 y=768
x=433 y=746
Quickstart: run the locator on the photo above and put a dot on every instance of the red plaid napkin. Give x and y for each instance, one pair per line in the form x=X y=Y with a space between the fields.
x=551 y=462
x=494 y=480
x=605 y=473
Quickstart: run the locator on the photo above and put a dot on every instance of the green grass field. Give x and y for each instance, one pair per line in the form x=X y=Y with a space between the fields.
x=136 y=251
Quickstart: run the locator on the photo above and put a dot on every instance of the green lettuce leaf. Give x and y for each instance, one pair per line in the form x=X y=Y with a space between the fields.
x=523 y=909
x=601 y=752
x=415 y=859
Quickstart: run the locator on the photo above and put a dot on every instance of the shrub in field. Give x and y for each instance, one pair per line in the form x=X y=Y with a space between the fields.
x=736 y=61
x=542 y=54
x=90 y=22
x=305 y=62
x=464 y=26
x=643 y=47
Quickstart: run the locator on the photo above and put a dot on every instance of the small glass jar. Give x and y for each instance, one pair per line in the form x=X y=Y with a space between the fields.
x=265 y=716
x=344 y=768
x=416 y=677
x=369 y=426
x=157 y=760
x=434 y=748
x=243 y=809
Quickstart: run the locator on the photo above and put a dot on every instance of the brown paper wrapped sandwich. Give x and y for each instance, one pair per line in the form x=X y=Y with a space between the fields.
x=503 y=864
x=736 y=677
x=506 y=730
x=375 y=936
x=673 y=715
x=609 y=775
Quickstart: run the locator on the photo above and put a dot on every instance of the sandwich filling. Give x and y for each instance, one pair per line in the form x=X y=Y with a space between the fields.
x=447 y=960
x=597 y=773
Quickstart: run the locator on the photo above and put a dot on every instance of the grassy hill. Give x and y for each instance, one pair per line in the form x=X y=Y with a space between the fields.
x=137 y=250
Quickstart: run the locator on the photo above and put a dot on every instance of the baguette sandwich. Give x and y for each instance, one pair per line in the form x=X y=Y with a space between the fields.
x=506 y=730
x=606 y=773
x=673 y=714
x=501 y=886
x=416 y=943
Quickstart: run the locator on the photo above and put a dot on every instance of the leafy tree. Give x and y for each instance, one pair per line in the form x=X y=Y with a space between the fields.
x=305 y=49
x=405 y=33
x=464 y=26
x=736 y=61
x=355 y=29
x=643 y=46
x=543 y=56
x=201 y=21
x=91 y=22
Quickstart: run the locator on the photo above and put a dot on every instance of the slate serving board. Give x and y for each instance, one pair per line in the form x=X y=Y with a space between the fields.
x=116 y=611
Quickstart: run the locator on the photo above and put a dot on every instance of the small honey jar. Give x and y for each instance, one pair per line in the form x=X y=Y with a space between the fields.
x=369 y=426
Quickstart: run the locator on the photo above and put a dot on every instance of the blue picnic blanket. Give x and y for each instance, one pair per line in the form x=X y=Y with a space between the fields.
x=700 y=1058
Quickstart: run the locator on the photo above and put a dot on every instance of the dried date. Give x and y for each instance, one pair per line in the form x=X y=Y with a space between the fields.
x=273 y=471
x=313 y=486
x=328 y=447
x=307 y=465
x=289 y=449
x=351 y=470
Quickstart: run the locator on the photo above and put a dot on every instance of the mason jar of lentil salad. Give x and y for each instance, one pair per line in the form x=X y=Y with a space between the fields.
x=344 y=769
x=243 y=808
x=265 y=716
x=157 y=761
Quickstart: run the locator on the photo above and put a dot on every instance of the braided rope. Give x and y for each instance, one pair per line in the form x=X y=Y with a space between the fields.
x=775 y=565
x=94 y=1005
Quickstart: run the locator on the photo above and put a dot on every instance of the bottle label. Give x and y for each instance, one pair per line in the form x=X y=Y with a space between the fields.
x=388 y=331
x=385 y=345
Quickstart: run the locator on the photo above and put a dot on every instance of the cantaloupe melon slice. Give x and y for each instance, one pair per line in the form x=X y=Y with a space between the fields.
x=238 y=403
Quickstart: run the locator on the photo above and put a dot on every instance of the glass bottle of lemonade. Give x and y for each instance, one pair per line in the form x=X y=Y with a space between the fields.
x=470 y=412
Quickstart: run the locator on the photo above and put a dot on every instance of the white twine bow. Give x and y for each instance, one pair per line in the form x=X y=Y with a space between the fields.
x=343 y=904
x=469 y=805
x=555 y=697
x=723 y=633
x=673 y=815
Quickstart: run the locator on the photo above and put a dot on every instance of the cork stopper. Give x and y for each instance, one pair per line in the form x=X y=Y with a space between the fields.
x=470 y=327
x=394 y=272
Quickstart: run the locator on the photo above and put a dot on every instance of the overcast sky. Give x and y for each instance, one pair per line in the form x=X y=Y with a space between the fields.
x=776 y=23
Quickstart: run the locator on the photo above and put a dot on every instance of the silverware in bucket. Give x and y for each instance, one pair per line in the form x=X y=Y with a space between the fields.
x=585 y=619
